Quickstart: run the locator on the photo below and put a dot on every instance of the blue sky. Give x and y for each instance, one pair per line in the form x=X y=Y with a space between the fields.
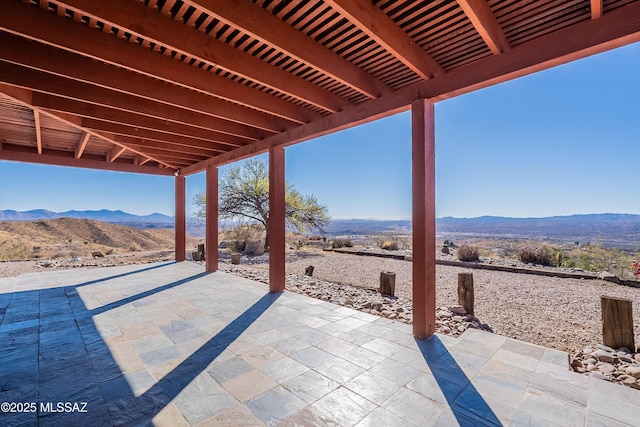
x=558 y=142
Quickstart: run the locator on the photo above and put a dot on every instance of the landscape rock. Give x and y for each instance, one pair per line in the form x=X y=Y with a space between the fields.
x=97 y=254
x=605 y=356
x=633 y=371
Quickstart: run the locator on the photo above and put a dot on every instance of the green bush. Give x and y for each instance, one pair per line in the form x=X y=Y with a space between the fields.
x=468 y=253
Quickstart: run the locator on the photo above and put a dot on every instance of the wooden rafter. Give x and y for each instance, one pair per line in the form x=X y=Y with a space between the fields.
x=116 y=152
x=36 y=120
x=62 y=63
x=168 y=32
x=377 y=25
x=596 y=9
x=617 y=28
x=82 y=145
x=34 y=24
x=269 y=29
x=86 y=93
x=26 y=98
x=486 y=24
x=159 y=138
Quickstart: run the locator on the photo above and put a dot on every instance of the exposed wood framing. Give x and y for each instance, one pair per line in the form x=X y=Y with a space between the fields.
x=165 y=31
x=38 y=126
x=260 y=24
x=115 y=153
x=616 y=28
x=375 y=23
x=82 y=145
x=486 y=24
x=25 y=97
x=596 y=9
x=55 y=61
x=33 y=24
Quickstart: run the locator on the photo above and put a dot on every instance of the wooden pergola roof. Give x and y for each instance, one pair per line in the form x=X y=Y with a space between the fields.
x=173 y=86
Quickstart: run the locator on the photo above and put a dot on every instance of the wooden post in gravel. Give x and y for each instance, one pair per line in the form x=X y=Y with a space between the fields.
x=235 y=258
x=387 y=283
x=617 y=322
x=465 y=291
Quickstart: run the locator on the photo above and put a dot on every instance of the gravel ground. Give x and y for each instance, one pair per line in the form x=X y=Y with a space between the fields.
x=552 y=312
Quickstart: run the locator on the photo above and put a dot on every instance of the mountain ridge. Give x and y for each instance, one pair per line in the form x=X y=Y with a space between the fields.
x=106 y=215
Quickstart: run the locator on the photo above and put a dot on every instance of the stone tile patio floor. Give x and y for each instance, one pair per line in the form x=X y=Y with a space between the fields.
x=168 y=344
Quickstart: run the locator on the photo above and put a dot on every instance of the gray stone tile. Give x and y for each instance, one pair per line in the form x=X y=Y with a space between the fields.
x=395 y=371
x=415 y=409
x=372 y=387
x=275 y=405
x=524 y=348
x=229 y=369
x=340 y=370
x=383 y=347
x=560 y=389
x=290 y=345
x=310 y=386
x=381 y=418
x=363 y=357
x=284 y=369
x=538 y=408
x=312 y=357
x=161 y=355
x=344 y=407
x=597 y=420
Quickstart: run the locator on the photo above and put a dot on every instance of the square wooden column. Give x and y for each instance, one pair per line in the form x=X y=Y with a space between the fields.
x=181 y=219
x=212 y=219
x=276 y=219
x=424 y=218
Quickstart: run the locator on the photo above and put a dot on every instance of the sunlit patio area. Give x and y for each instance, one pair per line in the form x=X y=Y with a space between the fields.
x=169 y=344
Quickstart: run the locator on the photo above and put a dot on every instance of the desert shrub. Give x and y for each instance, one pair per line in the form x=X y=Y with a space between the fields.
x=468 y=253
x=449 y=243
x=341 y=243
x=542 y=256
x=389 y=245
x=392 y=242
x=242 y=234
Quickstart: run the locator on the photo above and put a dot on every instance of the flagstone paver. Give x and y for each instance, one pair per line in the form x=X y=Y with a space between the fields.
x=169 y=344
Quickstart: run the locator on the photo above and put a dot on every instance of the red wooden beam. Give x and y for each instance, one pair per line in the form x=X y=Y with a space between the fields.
x=181 y=220
x=36 y=120
x=424 y=219
x=276 y=220
x=212 y=219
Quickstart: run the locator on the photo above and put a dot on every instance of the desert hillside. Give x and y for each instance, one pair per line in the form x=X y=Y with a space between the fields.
x=69 y=237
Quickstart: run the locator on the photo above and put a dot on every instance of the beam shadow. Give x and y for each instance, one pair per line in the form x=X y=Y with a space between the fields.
x=145 y=294
x=466 y=403
x=105 y=279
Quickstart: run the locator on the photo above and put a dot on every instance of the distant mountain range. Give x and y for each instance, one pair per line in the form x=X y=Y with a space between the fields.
x=613 y=229
x=117 y=217
x=620 y=230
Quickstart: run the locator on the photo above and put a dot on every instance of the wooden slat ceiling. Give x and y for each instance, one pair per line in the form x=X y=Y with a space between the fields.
x=173 y=86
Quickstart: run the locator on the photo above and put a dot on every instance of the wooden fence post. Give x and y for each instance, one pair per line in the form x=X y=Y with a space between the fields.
x=617 y=322
x=235 y=258
x=465 y=291
x=387 y=283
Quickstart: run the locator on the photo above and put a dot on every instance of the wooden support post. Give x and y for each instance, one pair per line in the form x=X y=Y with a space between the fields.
x=424 y=218
x=276 y=219
x=617 y=322
x=181 y=220
x=388 y=283
x=235 y=259
x=212 y=219
x=465 y=291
